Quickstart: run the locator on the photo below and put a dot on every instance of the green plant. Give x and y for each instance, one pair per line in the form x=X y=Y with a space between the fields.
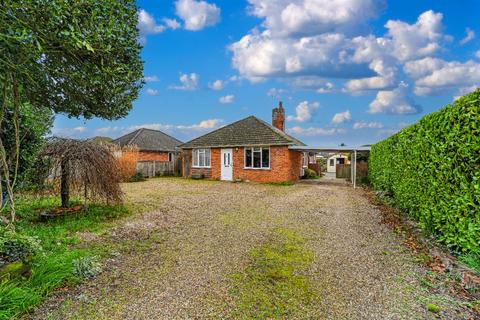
x=87 y=267
x=310 y=174
x=432 y=171
x=471 y=260
x=433 y=308
x=16 y=247
x=137 y=177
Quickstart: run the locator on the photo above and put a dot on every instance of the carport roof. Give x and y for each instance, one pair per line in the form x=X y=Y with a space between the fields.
x=329 y=149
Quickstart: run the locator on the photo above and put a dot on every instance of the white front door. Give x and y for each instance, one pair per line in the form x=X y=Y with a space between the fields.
x=227 y=164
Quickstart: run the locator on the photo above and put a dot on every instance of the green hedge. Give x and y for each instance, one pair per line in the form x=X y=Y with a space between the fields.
x=432 y=171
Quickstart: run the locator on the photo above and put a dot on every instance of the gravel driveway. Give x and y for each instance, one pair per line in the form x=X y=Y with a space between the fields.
x=175 y=260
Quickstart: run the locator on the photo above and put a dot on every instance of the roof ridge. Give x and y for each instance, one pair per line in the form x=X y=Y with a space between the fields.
x=211 y=132
x=135 y=136
x=165 y=134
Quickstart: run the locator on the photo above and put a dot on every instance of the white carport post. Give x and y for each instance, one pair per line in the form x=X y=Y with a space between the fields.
x=354 y=178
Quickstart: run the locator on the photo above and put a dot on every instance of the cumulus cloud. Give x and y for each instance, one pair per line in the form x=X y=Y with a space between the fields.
x=147 y=24
x=341 y=117
x=369 y=125
x=197 y=15
x=469 y=36
x=304 y=111
x=396 y=101
x=417 y=40
x=227 y=99
x=69 y=132
x=477 y=54
x=152 y=92
x=327 y=88
x=188 y=82
x=217 y=85
x=313 y=131
x=275 y=93
x=433 y=75
x=151 y=79
x=171 y=23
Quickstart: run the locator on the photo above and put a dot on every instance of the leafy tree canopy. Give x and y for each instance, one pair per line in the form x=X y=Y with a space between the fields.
x=77 y=57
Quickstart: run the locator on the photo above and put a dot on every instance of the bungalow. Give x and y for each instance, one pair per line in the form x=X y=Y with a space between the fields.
x=153 y=145
x=249 y=149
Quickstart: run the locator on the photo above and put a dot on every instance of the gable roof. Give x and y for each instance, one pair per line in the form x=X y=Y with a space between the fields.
x=149 y=140
x=250 y=131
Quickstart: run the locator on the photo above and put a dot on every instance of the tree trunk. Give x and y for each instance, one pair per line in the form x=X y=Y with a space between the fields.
x=65 y=184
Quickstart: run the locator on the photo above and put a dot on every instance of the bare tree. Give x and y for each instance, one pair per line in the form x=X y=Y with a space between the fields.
x=83 y=167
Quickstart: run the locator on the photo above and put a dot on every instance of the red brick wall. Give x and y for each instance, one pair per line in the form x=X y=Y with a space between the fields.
x=152 y=156
x=285 y=165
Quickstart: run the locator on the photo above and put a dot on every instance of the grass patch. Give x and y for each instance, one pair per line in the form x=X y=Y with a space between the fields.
x=53 y=267
x=471 y=260
x=281 y=184
x=274 y=284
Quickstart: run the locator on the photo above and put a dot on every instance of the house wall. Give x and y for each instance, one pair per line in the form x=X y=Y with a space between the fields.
x=152 y=156
x=285 y=165
x=335 y=157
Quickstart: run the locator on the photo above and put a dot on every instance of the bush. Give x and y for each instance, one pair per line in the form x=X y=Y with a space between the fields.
x=309 y=174
x=137 y=177
x=16 y=247
x=432 y=171
x=87 y=267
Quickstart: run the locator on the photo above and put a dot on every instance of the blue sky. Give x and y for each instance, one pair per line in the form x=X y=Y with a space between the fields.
x=347 y=71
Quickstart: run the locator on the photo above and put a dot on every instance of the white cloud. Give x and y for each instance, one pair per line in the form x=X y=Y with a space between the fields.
x=386 y=78
x=304 y=111
x=197 y=14
x=308 y=17
x=171 y=23
x=434 y=76
x=470 y=34
x=189 y=82
x=369 y=125
x=152 y=92
x=151 y=79
x=327 y=88
x=147 y=24
x=217 y=85
x=341 y=117
x=275 y=93
x=313 y=131
x=69 y=132
x=227 y=99
x=396 y=101
x=417 y=40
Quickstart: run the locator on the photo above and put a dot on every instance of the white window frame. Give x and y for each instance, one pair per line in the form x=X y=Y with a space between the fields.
x=305 y=160
x=197 y=153
x=312 y=158
x=261 y=158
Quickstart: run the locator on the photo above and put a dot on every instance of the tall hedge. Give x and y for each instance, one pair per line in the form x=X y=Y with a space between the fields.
x=432 y=171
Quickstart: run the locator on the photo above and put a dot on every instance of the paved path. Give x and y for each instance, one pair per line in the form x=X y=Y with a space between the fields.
x=176 y=260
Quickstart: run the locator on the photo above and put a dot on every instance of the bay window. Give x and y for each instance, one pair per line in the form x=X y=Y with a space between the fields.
x=257 y=158
x=201 y=158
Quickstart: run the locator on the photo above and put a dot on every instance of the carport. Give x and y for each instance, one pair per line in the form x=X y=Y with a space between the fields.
x=353 y=151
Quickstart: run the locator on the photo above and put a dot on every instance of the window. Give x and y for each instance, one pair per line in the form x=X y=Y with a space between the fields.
x=257 y=158
x=305 y=162
x=312 y=157
x=201 y=158
x=170 y=156
x=332 y=162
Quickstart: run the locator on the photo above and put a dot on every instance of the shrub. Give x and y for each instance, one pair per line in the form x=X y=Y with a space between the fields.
x=127 y=162
x=87 y=267
x=309 y=174
x=16 y=247
x=432 y=171
x=137 y=177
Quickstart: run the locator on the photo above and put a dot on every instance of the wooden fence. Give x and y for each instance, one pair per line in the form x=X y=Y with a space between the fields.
x=159 y=168
x=343 y=171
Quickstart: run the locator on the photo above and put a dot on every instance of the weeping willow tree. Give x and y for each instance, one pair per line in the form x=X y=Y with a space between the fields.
x=83 y=168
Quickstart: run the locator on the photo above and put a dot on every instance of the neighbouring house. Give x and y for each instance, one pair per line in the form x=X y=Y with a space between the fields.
x=158 y=153
x=249 y=149
x=335 y=159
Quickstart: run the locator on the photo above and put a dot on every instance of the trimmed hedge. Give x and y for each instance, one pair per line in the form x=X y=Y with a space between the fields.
x=432 y=171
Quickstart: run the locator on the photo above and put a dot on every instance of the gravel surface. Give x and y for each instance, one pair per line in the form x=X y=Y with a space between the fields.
x=174 y=261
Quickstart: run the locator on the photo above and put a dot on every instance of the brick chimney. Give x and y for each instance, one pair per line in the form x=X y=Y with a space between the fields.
x=278 y=117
